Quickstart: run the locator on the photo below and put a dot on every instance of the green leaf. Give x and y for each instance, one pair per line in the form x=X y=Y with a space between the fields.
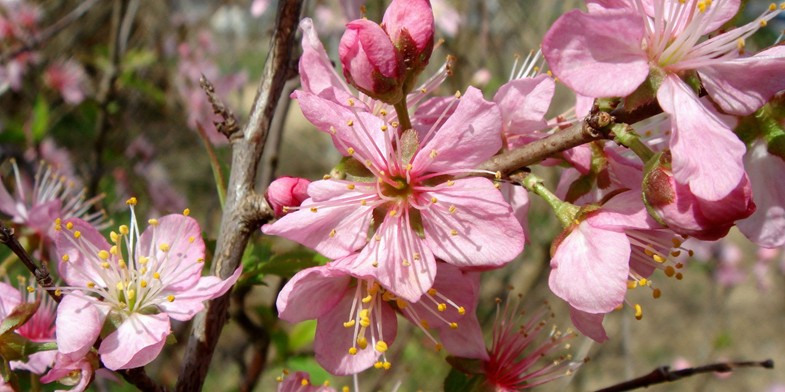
x=40 y=120
x=18 y=316
x=457 y=381
x=308 y=364
x=288 y=264
x=13 y=346
x=302 y=335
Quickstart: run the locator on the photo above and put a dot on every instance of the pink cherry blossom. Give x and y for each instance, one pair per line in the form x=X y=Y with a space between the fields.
x=370 y=61
x=286 y=192
x=356 y=321
x=410 y=26
x=157 y=278
x=300 y=382
x=75 y=371
x=69 y=79
x=611 y=50
x=420 y=210
x=51 y=196
x=765 y=227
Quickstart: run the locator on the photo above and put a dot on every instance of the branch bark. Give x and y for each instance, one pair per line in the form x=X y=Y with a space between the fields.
x=245 y=210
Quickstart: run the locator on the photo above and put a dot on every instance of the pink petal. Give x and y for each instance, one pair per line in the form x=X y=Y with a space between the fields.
x=590 y=267
x=10 y=298
x=137 y=342
x=707 y=155
x=181 y=266
x=589 y=324
x=80 y=269
x=397 y=245
x=736 y=84
x=42 y=216
x=333 y=340
x=311 y=293
x=523 y=104
x=765 y=227
x=189 y=302
x=597 y=55
x=518 y=197
x=623 y=211
x=487 y=233
x=721 y=12
x=78 y=324
x=317 y=74
x=7 y=203
x=348 y=225
x=469 y=137
x=414 y=16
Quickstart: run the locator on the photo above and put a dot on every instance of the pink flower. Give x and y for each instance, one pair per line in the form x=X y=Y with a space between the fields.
x=356 y=322
x=370 y=61
x=51 y=196
x=613 y=49
x=286 y=192
x=410 y=26
x=156 y=278
x=75 y=371
x=685 y=213
x=405 y=184
x=300 y=382
x=69 y=79
x=520 y=356
x=39 y=328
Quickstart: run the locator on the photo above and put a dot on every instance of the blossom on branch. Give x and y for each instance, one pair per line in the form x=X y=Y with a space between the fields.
x=127 y=290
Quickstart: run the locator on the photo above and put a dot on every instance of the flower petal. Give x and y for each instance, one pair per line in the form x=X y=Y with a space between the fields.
x=523 y=104
x=311 y=293
x=332 y=341
x=10 y=298
x=765 y=227
x=187 y=303
x=78 y=324
x=317 y=74
x=83 y=263
x=597 y=55
x=707 y=155
x=590 y=267
x=176 y=250
x=589 y=324
x=481 y=232
x=736 y=85
x=469 y=137
x=137 y=342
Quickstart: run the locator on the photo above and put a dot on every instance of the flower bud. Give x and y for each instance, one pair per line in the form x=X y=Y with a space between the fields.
x=674 y=204
x=286 y=192
x=370 y=61
x=409 y=23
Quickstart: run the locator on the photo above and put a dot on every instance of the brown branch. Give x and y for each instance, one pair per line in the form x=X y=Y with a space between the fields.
x=50 y=31
x=229 y=124
x=663 y=374
x=41 y=273
x=244 y=209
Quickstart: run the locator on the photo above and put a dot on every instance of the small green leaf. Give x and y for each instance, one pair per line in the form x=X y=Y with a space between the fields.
x=19 y=316
x=40 y=120
x=302 y=335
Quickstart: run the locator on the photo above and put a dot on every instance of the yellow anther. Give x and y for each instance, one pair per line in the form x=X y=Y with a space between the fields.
x=191 y=239
x=658 y=258
x=187 y=211
x=648 y=252
x=30 y=289
x=124 y=230
x=393 y=212
x=65 y=258
x=69 y=225
x=152 y=222
x=461 y=310
x=349 y=324
x=58 y=221
x=332 y=130
x=58 y=292
x=156 y=275
x=121 y=264
x=352 y=351
x=332 y=233
x=450 y=182
x=669 y=271
x=164 y=247
x=143 y=283
x=381 y=346
x=433 y=154
x=383 y=128
x=143 y=270
x=394 y=124
x=458 y=94
x=387 y=365
x=131 y=201
x=638 y=312
x=130 y=294
x=103 y=255
x=763 y=23
x=363 y=202
x=143 y=260
x=345 y=389
x=401 y=304
x=383 y=112
x=314 y=209
x=453 y=232
x=350 y=123
x=406 y=263
x=304 y=382
x=200 y=260
x=375 y=264
x=676 y=253
x=454 y=325
x=424 y=324
x=365 y=322
x=438 y=347
x=105 y=265
x=434 y=200
x=631 y=284
x=378 y=365
x=90 y=285
x=431 y=291
x=362 y=342
x=120 y=286
x=350 y=151
x=350 y=101
x=279 y=379
x=170 y=298
x=409 y=167
x=498 y=175
x=452 y=209
x=416 y=256
x=367 y=299
x=643 y=282
x=77 y=234
x=441 y=307
x=656 y=293
x=350 y=187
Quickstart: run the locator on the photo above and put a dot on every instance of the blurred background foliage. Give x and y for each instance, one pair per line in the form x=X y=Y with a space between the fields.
x=134 y=133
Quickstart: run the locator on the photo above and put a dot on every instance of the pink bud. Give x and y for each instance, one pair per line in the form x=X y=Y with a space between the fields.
x=286 y=192
x=675 y=205
x=410 y=26
x=370 y=61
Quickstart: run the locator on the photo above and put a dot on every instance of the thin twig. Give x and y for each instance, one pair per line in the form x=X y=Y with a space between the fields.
x=50 y=31
x=229 y=124
x=244 y=209
x=41 y=273
x=663 y=374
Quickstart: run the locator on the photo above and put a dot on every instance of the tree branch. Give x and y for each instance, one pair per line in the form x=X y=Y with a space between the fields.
x=244 y=209
x=41 y=273
x=663 y=374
